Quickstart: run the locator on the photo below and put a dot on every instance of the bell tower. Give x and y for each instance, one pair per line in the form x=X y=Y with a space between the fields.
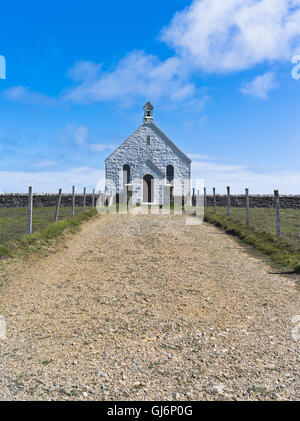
x=148 y=112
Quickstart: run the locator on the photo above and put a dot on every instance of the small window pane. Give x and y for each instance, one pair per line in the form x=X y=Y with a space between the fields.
x=170 y=173
x=126 y=174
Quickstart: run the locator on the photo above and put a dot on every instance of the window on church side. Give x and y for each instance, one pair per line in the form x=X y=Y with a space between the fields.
x=148 y=140
x=170 y=174
x=126 y=174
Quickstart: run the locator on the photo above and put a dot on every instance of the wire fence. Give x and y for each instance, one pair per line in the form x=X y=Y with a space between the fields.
x=275 y=218
x=30 y=213
x=33 y=212
x=13 y=224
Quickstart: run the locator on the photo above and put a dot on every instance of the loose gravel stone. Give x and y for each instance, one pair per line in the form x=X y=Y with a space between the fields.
x=146 y=307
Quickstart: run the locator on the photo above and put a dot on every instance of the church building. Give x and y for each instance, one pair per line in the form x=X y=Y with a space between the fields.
x=147 y=164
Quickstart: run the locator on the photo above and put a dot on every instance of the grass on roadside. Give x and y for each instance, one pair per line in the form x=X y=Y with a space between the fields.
x=265 y=219
x=280 y=251
x=13 y=221
x=28 y=243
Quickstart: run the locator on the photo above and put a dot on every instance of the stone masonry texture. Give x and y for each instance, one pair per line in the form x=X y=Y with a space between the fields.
x=144 y=158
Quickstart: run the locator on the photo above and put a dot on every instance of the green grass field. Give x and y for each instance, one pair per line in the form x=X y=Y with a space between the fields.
x=261 y=233
x=265 y=219
x=13 y=221
x=283 y=251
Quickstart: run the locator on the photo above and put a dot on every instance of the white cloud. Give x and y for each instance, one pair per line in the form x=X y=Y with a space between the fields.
x=24 y=94
x=221 y=36
x=80 y=135
x=50 y=181
x=210 y=35
x=99 y=147
x=198 y=156
x=45 y=163
x=137 y=75
x=73 y=134
x=239 y=177
x=83 y=71
x=260 y=86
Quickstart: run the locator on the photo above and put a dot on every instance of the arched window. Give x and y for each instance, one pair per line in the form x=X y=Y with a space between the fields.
x=126 y=174
x=170 y=174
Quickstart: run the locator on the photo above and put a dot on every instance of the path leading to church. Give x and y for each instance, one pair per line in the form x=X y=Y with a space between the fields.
x=147 y=308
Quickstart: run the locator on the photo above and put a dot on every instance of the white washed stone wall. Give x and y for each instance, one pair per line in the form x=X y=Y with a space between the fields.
x=140 y=156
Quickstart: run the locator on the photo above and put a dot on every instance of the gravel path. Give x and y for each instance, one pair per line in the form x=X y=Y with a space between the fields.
x=146 y=308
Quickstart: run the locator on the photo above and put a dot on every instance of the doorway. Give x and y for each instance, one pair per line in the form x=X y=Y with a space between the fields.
x=148 y=188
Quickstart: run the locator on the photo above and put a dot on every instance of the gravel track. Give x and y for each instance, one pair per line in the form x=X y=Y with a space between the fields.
x=147 y=308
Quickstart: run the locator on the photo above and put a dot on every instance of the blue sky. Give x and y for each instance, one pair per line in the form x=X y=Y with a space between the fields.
x=217 y=72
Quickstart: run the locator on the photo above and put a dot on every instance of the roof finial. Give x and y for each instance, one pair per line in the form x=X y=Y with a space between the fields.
x=148 y=112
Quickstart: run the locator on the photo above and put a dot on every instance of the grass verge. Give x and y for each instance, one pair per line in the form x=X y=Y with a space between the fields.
x=278 y=250
x=29 y=243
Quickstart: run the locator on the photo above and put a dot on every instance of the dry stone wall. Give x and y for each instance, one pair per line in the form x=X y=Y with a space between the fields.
x=256 y=201
x=237 y=201
x=42 y=200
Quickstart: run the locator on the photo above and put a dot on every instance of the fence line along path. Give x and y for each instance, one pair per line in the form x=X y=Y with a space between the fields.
x=277 y=214
x=28 y=213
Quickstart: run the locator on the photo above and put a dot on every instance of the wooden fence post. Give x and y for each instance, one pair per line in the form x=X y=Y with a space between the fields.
x=57 y=206
x=228 y=201
x=205 y=197
x=73 y=200
x=93 y=199
x=247 y=207
x=84 y=199
x=276 y=193
x=30 y=204
x=215 y=200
